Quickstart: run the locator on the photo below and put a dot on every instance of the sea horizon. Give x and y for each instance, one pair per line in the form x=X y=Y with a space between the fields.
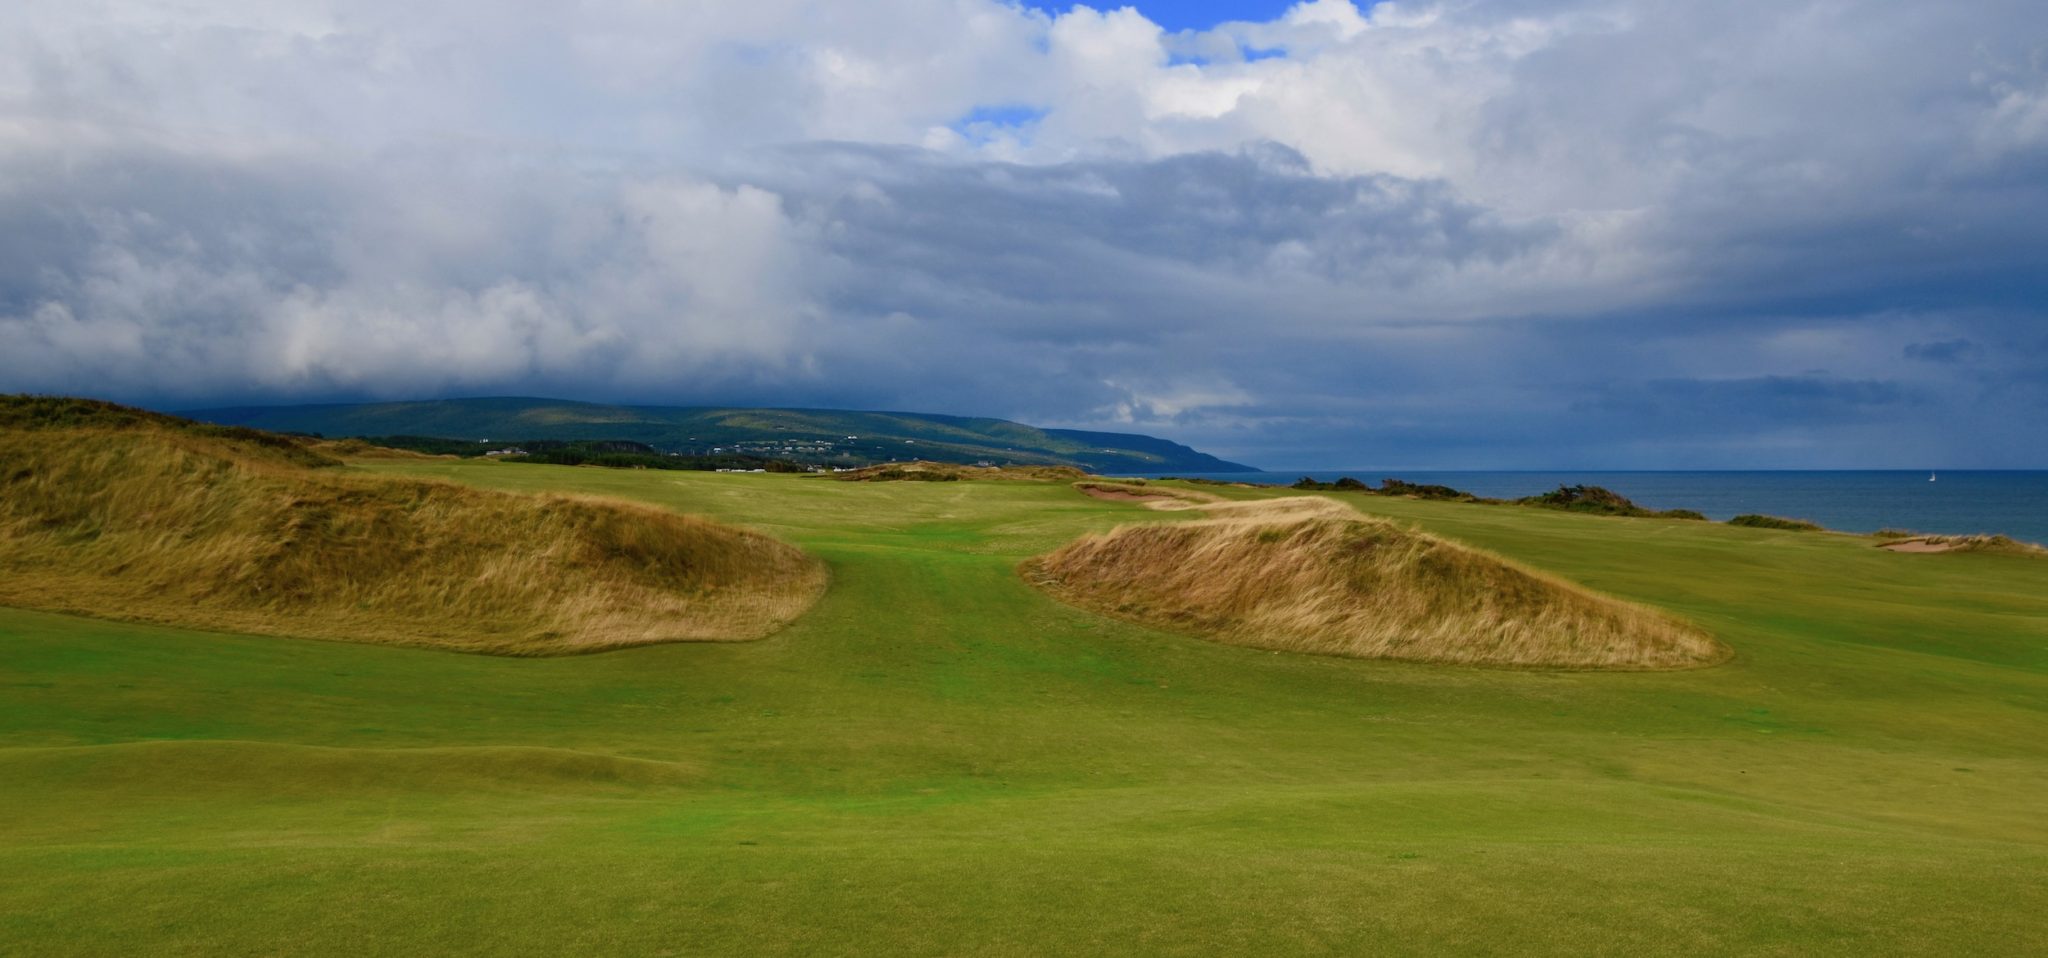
x=2010 y=502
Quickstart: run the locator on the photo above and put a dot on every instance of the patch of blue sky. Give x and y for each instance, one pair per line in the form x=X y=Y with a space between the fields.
x=1178 y=15
x=1176 y=58
x=1010 y=114
x=984 y=123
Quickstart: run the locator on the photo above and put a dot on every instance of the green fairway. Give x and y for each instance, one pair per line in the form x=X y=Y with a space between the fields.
x=939 y=760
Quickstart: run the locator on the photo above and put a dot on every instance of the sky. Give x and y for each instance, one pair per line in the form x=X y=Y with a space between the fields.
x=1174 y=17
x=1468 y=234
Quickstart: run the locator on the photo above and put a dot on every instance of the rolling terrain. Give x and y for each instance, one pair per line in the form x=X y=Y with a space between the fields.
x=840 y=437
x=1334 y=582
x=940 y=759
x=126 y=514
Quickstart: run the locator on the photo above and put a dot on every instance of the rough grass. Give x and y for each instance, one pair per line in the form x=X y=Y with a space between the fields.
x=353 y=449
x=1138 y=491
x=1993 y=545
x=1366 y=588
x=1602 y=501
x=44 y=414
x=150 y=518
x=1754 y=521
x=922 y=471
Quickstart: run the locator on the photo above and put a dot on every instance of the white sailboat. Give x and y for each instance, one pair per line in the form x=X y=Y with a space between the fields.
x=1930 y=477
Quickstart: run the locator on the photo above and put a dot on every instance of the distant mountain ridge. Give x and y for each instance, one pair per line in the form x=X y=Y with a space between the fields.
x=814 y=435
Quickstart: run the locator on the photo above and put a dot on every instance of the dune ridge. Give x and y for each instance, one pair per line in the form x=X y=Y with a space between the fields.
x=1311 y=576
x=122 y=514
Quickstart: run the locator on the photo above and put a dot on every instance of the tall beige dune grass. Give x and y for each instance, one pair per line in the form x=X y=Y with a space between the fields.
x=1298 y=576
x=153 y=519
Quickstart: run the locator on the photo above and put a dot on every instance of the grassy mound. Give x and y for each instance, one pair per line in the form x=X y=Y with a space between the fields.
x=1993 y=545
x=1143 y=493
x=124 y=514
x=1360 y=587
x=349 y=449
x=951 y=472
x=1392 y=487
x=1581 y=498
x=45 y=415
x=1754 y=521
x=1600 y=500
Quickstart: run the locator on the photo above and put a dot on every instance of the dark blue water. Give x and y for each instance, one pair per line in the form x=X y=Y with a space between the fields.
x=2007 y=502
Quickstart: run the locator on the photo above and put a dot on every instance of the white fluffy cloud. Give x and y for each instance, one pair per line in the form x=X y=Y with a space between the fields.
x=1077 y=218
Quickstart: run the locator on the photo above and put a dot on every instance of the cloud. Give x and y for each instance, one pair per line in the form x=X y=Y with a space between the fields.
x=1441 y=233
x=1714 y=404
x=184 y=279
x=1943 y=351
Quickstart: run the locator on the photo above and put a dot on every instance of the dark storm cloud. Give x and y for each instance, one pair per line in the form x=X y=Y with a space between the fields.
x=1587 y=233
x=1943 y=351
x=1715 y=405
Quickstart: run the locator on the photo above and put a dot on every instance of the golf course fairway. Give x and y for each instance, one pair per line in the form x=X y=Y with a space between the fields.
x=938 y=759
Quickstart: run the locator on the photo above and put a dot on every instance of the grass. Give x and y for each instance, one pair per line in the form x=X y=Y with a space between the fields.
x=1159 y=496
x=1602 y=501
x=1991 y=544
x=1366 y=588
x=1754 y=521
x=157 y=520
x=926 y=471
x=938 y=759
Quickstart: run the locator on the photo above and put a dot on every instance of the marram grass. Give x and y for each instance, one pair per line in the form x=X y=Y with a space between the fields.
x=1360 y=587
x=153 y=521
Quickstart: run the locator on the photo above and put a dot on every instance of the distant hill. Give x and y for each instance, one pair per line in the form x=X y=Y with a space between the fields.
x=807 y=435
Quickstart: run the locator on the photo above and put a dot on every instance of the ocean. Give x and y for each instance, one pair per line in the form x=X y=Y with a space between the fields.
x=2012 y=503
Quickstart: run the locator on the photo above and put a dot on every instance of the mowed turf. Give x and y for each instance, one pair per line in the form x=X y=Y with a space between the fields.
x=937 y=759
